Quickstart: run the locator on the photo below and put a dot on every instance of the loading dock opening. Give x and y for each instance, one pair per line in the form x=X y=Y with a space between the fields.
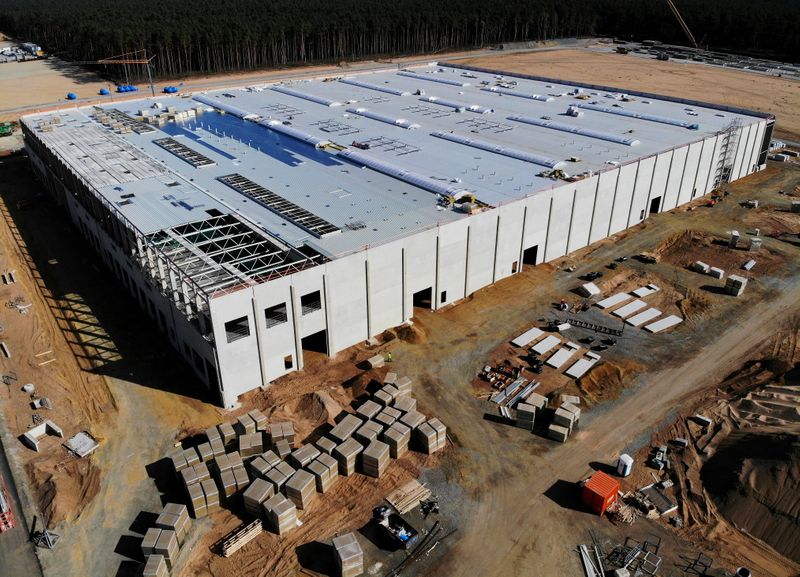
x=424 y=299
x=655 y=205
x=529 y=255
x=317 y=342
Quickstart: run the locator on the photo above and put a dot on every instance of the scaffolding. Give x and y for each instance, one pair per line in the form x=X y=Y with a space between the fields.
x=728 y=140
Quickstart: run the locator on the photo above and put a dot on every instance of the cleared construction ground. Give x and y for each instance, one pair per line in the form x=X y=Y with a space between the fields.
x=509 y=493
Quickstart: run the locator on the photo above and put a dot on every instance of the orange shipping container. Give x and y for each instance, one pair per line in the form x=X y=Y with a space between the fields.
x=599 y=492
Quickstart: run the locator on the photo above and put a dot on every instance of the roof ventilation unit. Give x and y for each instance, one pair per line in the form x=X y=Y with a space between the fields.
x=458 y=106
x=292 y=132
x=432 y=78
x=401 y=122
x=377 y=87
x=631 y=114
x=563 y=127
x=497 y=149
x=306 y=96
x=511 y=92
x=228 y=108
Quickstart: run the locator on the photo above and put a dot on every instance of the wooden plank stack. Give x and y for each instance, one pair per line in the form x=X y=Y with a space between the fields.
x=240 y=537
x=408 y=496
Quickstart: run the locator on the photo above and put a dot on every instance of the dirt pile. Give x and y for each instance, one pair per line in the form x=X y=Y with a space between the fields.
x=412 y=334
x=606 y=380
x=63 y=489
x=754 y=479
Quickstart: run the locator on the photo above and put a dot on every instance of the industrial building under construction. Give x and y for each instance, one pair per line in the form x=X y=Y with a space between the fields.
x=254 y=224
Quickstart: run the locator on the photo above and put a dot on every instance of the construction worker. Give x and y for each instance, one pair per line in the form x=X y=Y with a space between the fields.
x=389 y=357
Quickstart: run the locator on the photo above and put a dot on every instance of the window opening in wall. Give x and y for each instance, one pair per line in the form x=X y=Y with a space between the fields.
x=514 y=266
x=287 y=362
x=237 y=329
x=311 y=302
x=655 y=205
x=529 y=255
x=443 y=297
x=276 y=315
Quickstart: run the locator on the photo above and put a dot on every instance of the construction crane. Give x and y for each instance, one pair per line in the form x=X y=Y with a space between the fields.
x=135 y=57
x=682 y=22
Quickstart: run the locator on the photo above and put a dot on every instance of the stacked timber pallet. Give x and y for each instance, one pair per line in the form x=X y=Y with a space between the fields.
x=408 y=496
x=240 y=537
x=348 y=555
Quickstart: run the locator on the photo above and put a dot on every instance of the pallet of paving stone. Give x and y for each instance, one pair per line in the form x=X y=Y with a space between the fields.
x=282 y=448
x=301 y=457
x=368 y=432
x=197 y=500
x=346 y=455
x=408 y=496
x=375 y=459
x=279 y=474
x=405 y=404
x=326 y=472
x=301 y=489
x=211 y=494
x=398 y=437
x=388 y=416
x=345 y=428
x=240 y=537
x=167 y=545
x=205 y=451
x=412 y=419
x=348 y=555
x=260 y=420
x=227 y=433
x=280 y=514
x=155 y=566
x=390 y=378
x=404 y=385
x=258 y=492
x=245 y=424
x=263 y=463
x=241 y=477
x=325 y=445
x=174 y=516
x=149 y=541
x=526 y=415
x=368 y=409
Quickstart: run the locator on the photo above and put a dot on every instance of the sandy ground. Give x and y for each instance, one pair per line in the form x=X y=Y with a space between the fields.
x=682 y=79
x=39 y=82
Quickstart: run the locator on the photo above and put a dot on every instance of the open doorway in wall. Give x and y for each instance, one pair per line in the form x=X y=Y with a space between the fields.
x=315 y=349
x=655 y=205
x=529 y=255
x=424 y=299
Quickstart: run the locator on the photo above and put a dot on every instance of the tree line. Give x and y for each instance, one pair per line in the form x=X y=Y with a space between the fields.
x=213 y=36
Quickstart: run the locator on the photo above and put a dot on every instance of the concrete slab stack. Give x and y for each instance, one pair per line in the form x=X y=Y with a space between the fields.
x=345 y=428
x=217 y=446
x=197 y=500
x=325 y=470
x=368 y=409
x=167 y=545
x=558 y=433
x=301 y=489
x=279 y=474
x=178 y=461
x=347 y=455
x=260 y=419
x=227 y=433
x=281 y=432
x=735 y=285
x=211 y=494
x=205 y=452
x=576 y=411
x=526 y=415
x=280 y=514
x=257 y=493
x=405 y=404
x=564 y=418
x=412 y=419
x=386 y=395
x=155 y=566
x=282 y=448
x=303 y=456
x=241 y=477
x=245 y=425
x=375 y=459
x=201 y=472
x=263 y=463
x=368 y=432
x=227 y=481
x=403 y=385
x=388 y=416
x=397 y=437
x=348 y=555
x=253 y=444
x=390 y=378
x=325 y=445
x=175 y=516
x=149 y=541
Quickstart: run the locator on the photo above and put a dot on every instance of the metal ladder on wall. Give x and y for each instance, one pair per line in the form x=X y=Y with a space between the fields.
x=727 y=153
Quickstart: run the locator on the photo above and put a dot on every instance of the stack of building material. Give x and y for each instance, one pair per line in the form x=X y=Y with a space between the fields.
x=155 y=566
x=397 y=437
x=347 y=454
x=405 y=404
x=244 y=446
x=716 y=272
x=211 y=494
x=301 y=489
x=303 y=456
x=348 y=555
x=426 y=438
x=564 y=418
x=197 y=499
x=167 y=545
x=526 y=414
x=368 y=432
x=201 y=472
x=325 y=470
x=558 y=433
x=241 y=477
x=240 y=537
x=701 y=267
x=375 y=458
x=388 y=416
x=217 y=446
x=192 y=458
x=257 y=493
x=325 y=445
x=205 y=451
x=574 y=399
x=386 y=395
x=188 y=476
x=281 y=432
x=280 y=514
x=441 y=434
x=280 y=474
x=245 y=425
x=282 y=448
x=390 y=378
x=412 y=419
x=755 y=244
x=368 y=410
x=537 y=400
x=575 y=410
x=263 y=463
x=178 y=461
x=227 y=433
x=227 y=481
x=149 y=541
x=735 y=285
x=176 y=518
x=403 y=385
x=259 y=418
x=345 y=428
x=375 y=362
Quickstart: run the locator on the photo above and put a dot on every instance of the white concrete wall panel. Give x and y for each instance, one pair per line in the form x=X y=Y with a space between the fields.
x=689 y=172
x=346 y=288
x=711 y=175
x=658 y=187
x=452 y=267
x=639 y=203
x=755 y=149
x=537 y=219
x=304 y=283
x=385 y=269
x=741 y=146
x=601 y=213
x=582 y=213
x=622 y=197
x=706 y=161
x=509 y=232
x=674 y=178
x=480 y=260
x=560 y=217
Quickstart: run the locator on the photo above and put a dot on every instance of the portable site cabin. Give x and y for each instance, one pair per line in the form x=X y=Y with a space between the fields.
x=599 y=492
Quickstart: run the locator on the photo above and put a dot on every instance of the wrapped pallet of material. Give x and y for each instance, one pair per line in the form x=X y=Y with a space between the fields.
x=280 y=514
x=405 y=404
x=155 y=566
x=368 y=432
x=257 y=493
x=346 y=455
x=375 y=459
x=425 y=436
x=201 y=472
x=282 y=448
x=227 y=433
x=368 y=409
x=227 y=481
x=301 y=457
x=397 y=437
x=537 y=400
x=301 y=489
x=388 y=416
x=241 y=477
x=212 y=433
x=348 y=555
x=403 y=385
x=558 y=433
x=167 y=545
x=217 y=447
x=279 y=475
x=197 y=500
x=275 y=431
x=149 y=541
x=412 y=419
x=564 y=418
x=325 y=445
x=526 y=414
x=260 y=420
x=205 y=452
x=192 y=458
x=178 y=462
x=345 y=428
x=576 y=412
x=326 y=472
x=211 y=493
x=245 y=425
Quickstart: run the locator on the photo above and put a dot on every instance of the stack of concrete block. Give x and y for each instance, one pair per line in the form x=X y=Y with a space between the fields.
x=405 y=404
x=558 y=433
x=205 y=451
x=197 y=500
x=178 y=461
x=345 y=428
x=574 y=409
x=280 y=474
x=368 y=409
x=412 y=419
x=374 y=459
x=281 y=432
x=303 y=456
x=217 y=446
x=260 y=419
x=347 y=455
x=280 y=514
x=188 y=476
x=388 y=416
x=245 y=424
x=325 y=445
x=227 y=433
x=526 y=415
x=537 y=400
x=201 y=472
x=263 y=463
x=755 y=244
x=256 y=494
x=212 y=433
x=149 y=541
x=155 y=566
x=735 y=285
x=403 y=385
x=227 y=481
x=192 y=458
x=390 y=378
x=431 y=435
x=348 y=554
x=167 y=545
x=375 y=362
x=251 y=444
x=241 y=477
x=368 y=432
x=716 y=272
x=701 y=267
x=282 y=448
x=325 y=470
x=211 y=494
x=564 y=418
x=386 y=395
x=572 y=399
x=176 y=518
x=301 y=489
x=397 y=437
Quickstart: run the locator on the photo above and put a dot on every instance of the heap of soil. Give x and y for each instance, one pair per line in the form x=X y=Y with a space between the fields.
x=411 y=334
x=754 y=478
x=685 y=248
x=63 y=489
x=605 y=381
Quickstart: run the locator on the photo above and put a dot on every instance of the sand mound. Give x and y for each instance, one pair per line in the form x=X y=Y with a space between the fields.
x=63 y=497
x=412 y=334
x=754 y=478
x=307 y=412
x=605 y=381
